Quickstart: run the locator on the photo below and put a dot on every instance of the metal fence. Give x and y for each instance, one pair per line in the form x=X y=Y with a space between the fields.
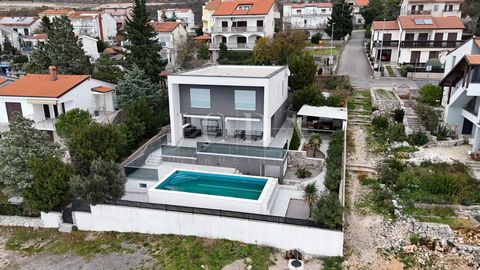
x=220 y=213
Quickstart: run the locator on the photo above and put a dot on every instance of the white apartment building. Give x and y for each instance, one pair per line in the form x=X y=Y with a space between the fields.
x=436 y=8
x=170 y=35
x=119 y=11
x=461 y=97
x=239 y=23
x=207 y=15
x=94 y=24
x=24 y=26
x=311 y=17
x=184 y=15
x=415 y=39
x=358 y=20
x=13 y=37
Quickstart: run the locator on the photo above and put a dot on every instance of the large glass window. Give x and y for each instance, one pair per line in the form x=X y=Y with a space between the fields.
x=199 y=98
x=245 y=100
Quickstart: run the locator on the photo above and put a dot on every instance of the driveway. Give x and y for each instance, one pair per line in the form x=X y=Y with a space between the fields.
x=354 y=63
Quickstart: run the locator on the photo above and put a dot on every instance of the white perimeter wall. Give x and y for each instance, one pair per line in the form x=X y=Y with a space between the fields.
x=131 y=219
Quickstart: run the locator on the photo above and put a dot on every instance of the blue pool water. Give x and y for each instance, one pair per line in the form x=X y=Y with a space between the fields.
x=235 y=186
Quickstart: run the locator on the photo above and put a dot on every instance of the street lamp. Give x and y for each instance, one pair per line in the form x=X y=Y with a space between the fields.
x=381 y=49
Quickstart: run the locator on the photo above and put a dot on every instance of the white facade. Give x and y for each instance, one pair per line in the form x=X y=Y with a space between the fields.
x=170 y=41
x=437 y=8
x=119 y=11
x=13 y=36
x=240 y=32
x=24 y=26
x=312 y=17
x=273 y=80
x=461 y=97
x=94 y=24
x=89 y=45
x=357 y=5
x=44 y=111
x=184 y=15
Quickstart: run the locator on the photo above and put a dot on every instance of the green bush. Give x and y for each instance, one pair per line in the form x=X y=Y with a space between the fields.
x=405 y=69
x=431 y=94
x=428 y=117
x=334 y=101
x=332 y=263
x=334 y=82
x=295 y=141
x=309 y=95
x=67 y=123
x=398 y=115
x=328 y=211
x=415 y=239
x=316 y=38
x=380 y=122
x=333 y=176
x=417 y=138
x=434 y=62
x=7 y=209
x=445 y=132
x=368 y=31
x=302 y=172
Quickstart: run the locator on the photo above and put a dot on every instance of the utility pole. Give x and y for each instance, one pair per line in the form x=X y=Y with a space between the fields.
x=381 y=50
x=331 y=48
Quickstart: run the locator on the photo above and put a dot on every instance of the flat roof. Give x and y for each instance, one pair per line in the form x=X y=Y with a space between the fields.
x=324 y=112
x=235 y=71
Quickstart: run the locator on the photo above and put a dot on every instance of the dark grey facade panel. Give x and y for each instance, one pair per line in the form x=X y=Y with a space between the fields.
x=279 y=118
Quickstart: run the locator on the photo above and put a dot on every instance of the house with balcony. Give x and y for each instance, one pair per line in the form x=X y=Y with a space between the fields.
x=170 y=35
x=43 y=97
x=357 y=5
x=311 y=17
x=239 y=23
x=415 y=39
x=94 y=24
x=12 y=36
x=119 y=11
x=55 y=13
x=183 y=15
x=24 y=26
x=436 y=8
x=207 y=15
x=238 y=104
x=461 y=98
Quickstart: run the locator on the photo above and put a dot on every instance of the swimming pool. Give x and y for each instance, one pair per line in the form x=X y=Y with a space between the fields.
x=235 y=186
x=242 y=193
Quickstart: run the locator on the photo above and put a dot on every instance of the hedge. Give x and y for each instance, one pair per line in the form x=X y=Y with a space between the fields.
x=334 y=162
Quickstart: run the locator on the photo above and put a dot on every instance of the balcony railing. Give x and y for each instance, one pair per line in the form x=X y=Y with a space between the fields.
x=430 y=44
x=386 y=43
x=237 y=29
x=419 y=12
x=249 y=46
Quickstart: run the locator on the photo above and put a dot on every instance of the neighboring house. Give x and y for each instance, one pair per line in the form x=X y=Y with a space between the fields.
x=30 y=42
x=358 y=20
x=119 y=11
x=311 y=17
x=24 y=26
x=207 y=15
x=461 y=97
x=55 y=13
x=415 y=39
x=99 y=25
x=43 y=97
x=14 y=37
x=239 y=23
x=184 y=15
x=437 y=8
x=89 y=45
x=228 y=102
x=170 y=35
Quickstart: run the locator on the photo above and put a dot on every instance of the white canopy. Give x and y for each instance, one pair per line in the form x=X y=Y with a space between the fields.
x=324 y=112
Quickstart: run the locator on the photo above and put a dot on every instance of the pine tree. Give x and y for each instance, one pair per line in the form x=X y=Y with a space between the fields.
x=106 y=70
x=62 y=50
x=145 y=48
x=342 y=17
x=136 y=85
x=45 y=25
x=17 y=147
x=8 y=48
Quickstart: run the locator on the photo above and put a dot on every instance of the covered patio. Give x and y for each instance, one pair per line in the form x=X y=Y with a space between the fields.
x=322 y=118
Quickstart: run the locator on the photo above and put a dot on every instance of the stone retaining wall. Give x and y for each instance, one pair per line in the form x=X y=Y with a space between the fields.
x=20 y=221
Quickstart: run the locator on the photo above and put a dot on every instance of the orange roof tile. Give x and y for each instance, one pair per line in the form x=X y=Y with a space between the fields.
x=102 y=89
x=477 y=41
x=473 y=59
x=387 y=25
x=56 y=12
x=110 y=50
x=165 y=26
x=436 y=1
x=202 y=37
x=214 y=4
x=41 y=85
x=40 y=36
x=84 y=15
x=258 y=7
x=361 y=3
x=408 y=22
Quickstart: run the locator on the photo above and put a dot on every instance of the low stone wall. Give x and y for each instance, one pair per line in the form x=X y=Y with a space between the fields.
x=299 y=159
x=450 y=143
x=20 y=221
x=434 y=231
x=384 y=105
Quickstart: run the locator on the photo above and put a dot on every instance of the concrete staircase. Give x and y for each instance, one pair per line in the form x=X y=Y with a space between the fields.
x=358 y=115
x=412 y=117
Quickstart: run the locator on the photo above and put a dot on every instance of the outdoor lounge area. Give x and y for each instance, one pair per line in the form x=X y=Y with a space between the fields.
x=323 y=118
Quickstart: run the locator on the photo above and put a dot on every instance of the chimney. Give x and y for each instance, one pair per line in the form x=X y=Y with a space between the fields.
x=53 y=73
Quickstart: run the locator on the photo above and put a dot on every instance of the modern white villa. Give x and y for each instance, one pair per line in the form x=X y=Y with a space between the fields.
x=239 y=23
x=311 y=17
x=461 y=97
x=43 y=97
x=437 y=8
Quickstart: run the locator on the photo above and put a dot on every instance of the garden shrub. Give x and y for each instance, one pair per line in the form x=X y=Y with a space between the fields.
x=295 y=141
x=334 y=101
x=302 y=173
x=328 y=211
x=405 y=69
x=395 y=133
x=428 y=117
x=7 y=209
x=434 y=62
x=398 y=115
x=445 y=132
x=380 y=122
x=316 y=38
x=333 y=176
x=334 y=82
x=431 y=94
x=417 y=138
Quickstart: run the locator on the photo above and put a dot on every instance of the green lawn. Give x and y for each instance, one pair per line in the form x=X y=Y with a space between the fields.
x=384 y=94
x=326 y=51
x=391 y=73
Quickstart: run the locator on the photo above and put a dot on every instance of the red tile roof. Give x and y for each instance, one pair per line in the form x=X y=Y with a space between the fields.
x=84 y=15
x=473 y=59
x=408 y=22
x=202 y=37
x=361 y=3
x=258 y=7
x=302 y=5
x=41 y=85
x=56 y=12
x=102 y=89
x=214 y=4
x=165 y=26
x=110 y=50
x=387 y=25
x=40 y=36
x=477 y=41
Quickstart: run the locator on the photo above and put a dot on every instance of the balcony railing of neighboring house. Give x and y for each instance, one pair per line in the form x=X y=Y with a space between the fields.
x=419 y=12
x=386 y=43
x=249 y=46
x=310 y=14
x=238 y=29
x=431 y=44
x=41 y=122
